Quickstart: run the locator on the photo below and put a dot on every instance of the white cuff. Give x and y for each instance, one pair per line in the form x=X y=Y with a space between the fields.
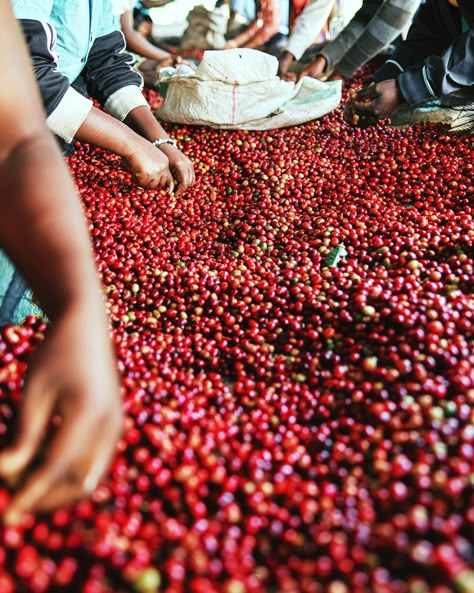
x=125 y=100
x=68 y=116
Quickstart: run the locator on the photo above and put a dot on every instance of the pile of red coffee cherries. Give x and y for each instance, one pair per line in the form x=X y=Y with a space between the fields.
x=295 y=340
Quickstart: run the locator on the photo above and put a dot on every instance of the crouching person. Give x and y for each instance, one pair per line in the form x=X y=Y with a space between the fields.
x=435 y=61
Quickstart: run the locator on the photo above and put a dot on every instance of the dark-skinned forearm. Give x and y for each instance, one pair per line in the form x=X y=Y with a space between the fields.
x=144 y=123
x=104 y=131
x=139 y=44
x=43 y=229
x=122 y=138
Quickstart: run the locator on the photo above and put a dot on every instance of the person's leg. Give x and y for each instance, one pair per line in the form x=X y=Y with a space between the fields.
x=16 y=301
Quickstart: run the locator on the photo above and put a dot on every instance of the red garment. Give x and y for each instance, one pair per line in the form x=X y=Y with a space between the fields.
x=296 y=6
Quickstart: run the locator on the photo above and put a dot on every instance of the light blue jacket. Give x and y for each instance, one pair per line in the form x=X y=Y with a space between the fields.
x=68 y=38
x=68 y=18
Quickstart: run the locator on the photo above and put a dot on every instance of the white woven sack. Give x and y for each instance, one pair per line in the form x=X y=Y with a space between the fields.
x=242 y=65
x=311 y=100
x=240 y=89
x=229 y=87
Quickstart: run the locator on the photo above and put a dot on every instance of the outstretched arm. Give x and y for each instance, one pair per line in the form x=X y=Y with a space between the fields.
x=113 y=82
x=73 y=374
x=391 y=18
x=137 y=43
x=308 y=25
x=429 y=64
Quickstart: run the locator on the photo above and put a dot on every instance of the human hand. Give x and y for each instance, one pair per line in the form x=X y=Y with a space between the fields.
x=336 y=76
x=181 y=168
x=170 y=61
x=372 y=102
x=71 y=378
x=315 y=69
x=288 y=76
x=149 y=166
x=284 y=62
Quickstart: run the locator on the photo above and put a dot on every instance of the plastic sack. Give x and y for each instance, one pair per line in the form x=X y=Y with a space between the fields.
x=240 y=89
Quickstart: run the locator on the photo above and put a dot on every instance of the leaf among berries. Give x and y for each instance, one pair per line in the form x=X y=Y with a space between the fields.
x=335 y=255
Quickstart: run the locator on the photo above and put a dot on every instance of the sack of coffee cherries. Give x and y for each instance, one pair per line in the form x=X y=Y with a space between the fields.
x=240 y=89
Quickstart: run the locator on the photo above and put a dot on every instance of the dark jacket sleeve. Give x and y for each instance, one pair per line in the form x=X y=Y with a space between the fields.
x=424 y=39
x=435 y=59
x=40 y=38
x=109 y=67
x=441 y=75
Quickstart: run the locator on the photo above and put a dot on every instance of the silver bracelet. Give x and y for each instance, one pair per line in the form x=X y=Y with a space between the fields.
x=161 y=141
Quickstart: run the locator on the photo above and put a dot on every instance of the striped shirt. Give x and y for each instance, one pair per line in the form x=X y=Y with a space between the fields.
x=377 y=24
